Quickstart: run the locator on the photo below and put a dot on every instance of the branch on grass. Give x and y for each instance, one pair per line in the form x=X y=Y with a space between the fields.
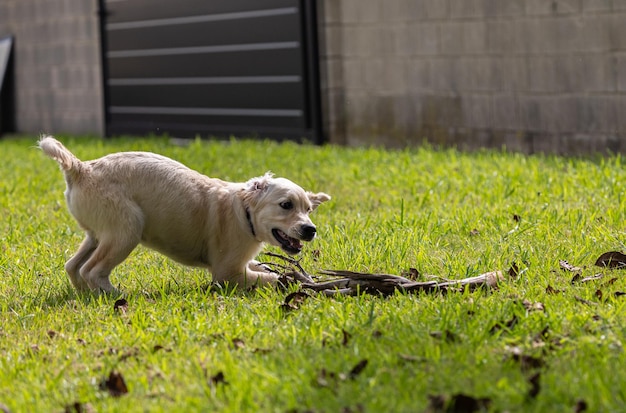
x=293 y=272
x=353 y=283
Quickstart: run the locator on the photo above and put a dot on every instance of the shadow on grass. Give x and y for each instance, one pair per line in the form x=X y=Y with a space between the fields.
x=68 y=294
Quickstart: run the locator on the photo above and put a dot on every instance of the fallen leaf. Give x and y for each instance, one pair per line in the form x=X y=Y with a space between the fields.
x=582 y=300
x=218 y=379
x=346 y=337
x=324 y=377
x=530 y=306
x=158 y=347
x=447 y=335
x=132 y=352
x=581 y=406
x=411 y=358
x=551 y=290
x=528 y=363
x=507 y=324
x=599 y=294
x=514 y=270
x=52 y=334
x=357 y=369
x=238 y=344
x=543 y=334
x=436 y=403
x=293 y=300
x=566 y=266
x=535 y=387
x=578 y=278
x=121 y=306
x=413 y=274
x=517 y=218
x=619 y=293
x=115 y=384
x=462 y=403
x=611 y=259
x=474 y=232
x=77 y=407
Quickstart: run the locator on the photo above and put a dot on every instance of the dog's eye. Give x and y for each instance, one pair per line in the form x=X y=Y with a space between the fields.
x=286 y=205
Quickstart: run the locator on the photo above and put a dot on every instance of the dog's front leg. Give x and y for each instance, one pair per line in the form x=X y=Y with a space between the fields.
x=253 y=275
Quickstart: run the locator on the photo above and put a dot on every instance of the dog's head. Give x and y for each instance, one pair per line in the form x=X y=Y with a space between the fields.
x=279 y=211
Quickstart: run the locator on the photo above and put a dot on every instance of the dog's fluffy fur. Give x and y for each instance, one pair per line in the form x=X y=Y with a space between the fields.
x=128 y=198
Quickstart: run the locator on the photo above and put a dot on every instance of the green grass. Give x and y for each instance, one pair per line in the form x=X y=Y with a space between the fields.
x=441 y=211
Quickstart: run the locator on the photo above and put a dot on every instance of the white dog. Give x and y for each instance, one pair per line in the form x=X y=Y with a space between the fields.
x=128 y=198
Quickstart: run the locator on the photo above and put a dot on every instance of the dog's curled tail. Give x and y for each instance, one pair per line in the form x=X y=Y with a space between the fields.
x=55 y=150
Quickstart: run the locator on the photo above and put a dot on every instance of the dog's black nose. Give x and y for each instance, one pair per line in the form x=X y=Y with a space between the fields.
x=308 y=232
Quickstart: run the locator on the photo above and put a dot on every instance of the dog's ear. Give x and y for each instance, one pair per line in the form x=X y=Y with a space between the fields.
x=317 y=199
x=259 y=184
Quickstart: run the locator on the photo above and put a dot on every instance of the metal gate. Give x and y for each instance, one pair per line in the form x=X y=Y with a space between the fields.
x=211 y=67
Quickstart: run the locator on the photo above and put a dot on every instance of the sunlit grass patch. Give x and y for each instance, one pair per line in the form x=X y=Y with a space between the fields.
x=539 y=343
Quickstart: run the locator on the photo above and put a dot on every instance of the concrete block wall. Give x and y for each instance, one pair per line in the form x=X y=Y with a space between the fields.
x=57 y=65
x=531 y=75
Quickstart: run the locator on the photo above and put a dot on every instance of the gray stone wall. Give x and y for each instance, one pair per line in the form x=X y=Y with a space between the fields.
x=57 y=65
x=533 y=75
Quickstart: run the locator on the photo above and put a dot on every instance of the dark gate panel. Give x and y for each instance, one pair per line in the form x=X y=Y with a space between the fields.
x=188 y=67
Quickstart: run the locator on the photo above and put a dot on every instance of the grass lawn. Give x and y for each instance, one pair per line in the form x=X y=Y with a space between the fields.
x=540 y=343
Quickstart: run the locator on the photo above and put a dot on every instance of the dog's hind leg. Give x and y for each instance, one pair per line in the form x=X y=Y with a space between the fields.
x=72 y=266
x=107 y=255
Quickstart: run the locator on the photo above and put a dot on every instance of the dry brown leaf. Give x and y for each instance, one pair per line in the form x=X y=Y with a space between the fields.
x=238 y=344
x=514 y=270
x=582 y=300
x=580 y=279
x=115 y=384
x=612 y=259
x=504 y=324
x=464 y=403
x=357 y=369
x=581 y=406
x=218 y=378
x=76 y=407
x=530 y=306
x=120 y=306
x=566 y=266
x=294 y=300
x=535 y=387
x=528 y=363
x=551 y=290
x=447 y=335
x=346 y=337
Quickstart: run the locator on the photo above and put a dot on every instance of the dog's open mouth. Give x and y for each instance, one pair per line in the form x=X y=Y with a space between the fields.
x=288 y=244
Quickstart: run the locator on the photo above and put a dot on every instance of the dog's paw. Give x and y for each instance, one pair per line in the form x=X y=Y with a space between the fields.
x=256 y=266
